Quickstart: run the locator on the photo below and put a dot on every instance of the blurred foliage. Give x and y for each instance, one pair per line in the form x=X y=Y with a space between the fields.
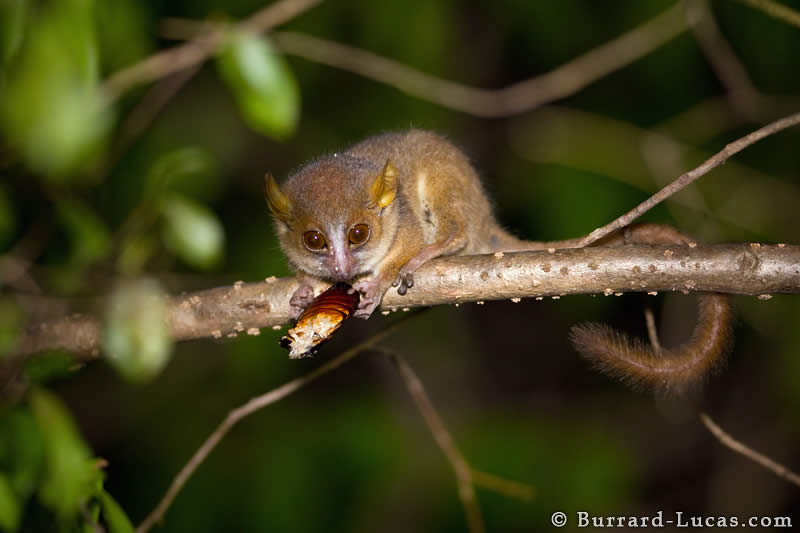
x=50 y=104
x=88 y=240
x=70 y=474
x=11 y=321
x=42 y=453
x=192 y=232
x=137 y=339
x=8 y=216
x=107 y=206
x=264 y=87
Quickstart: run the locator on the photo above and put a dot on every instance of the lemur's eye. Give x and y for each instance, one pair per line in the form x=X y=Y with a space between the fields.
x=314 y=241
x=358 y=234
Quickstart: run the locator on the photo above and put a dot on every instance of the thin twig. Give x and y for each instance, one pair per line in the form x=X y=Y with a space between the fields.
x=149 y=107
x=664 y=161
x=199 y=49
x=462 y=470
x=652 y=330
x=252 y=406
x=520 y=97
x=776 y=10
x=583 y=140
x=689 y=177
x=15 y=264
x=517 y=98
x=743 y=96
x=728 y=441
x=710 y=118
x=185 y=29
x=97 y=528
x=15 y=271
x=507 y=487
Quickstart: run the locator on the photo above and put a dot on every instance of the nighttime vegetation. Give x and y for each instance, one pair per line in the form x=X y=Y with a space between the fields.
x=134 y=140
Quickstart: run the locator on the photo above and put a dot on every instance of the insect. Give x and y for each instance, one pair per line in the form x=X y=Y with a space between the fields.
x=372 y=215
x=320 y=320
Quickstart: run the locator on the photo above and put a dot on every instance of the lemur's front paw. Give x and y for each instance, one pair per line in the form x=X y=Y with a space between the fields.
x=403 y=281
x=371 y=294
x=301 y=299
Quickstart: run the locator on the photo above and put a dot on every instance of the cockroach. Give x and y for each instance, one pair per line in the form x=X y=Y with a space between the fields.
x=320 y=320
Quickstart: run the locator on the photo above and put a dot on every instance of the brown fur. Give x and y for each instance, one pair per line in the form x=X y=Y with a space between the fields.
x=669 y=371
x=421 y=198
x=440 y=208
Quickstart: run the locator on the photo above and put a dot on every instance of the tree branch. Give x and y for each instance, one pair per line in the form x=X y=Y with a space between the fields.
x=774 y=9
x=732 y=268
x=759 y=458
x=517 y=98
x=432 y=418
x=443 y=438
x=691 y=176
x=514 y=99
x=199 y=49
x=743 y=95
x=247 y=409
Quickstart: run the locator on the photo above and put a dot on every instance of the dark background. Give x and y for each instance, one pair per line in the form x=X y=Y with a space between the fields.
x=350 y=452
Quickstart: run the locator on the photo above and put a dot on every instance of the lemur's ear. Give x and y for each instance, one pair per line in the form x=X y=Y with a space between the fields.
x=383 y=190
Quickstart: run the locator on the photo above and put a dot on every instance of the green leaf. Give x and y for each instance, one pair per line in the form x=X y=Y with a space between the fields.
x=49 y=365
x=262 y=84
x=137 y=338
x=9 y=506
x=21 y=451
x=52 y=107
x=88 y=238
x=12 y=28
x=88 y=235
x=115 y=517
x=70 y=474
x=11 y=322
x=192 y=231
x=178 y=170
x=123 y=32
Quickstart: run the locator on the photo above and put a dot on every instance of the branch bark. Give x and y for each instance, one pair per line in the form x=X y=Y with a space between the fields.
x=751 y=269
